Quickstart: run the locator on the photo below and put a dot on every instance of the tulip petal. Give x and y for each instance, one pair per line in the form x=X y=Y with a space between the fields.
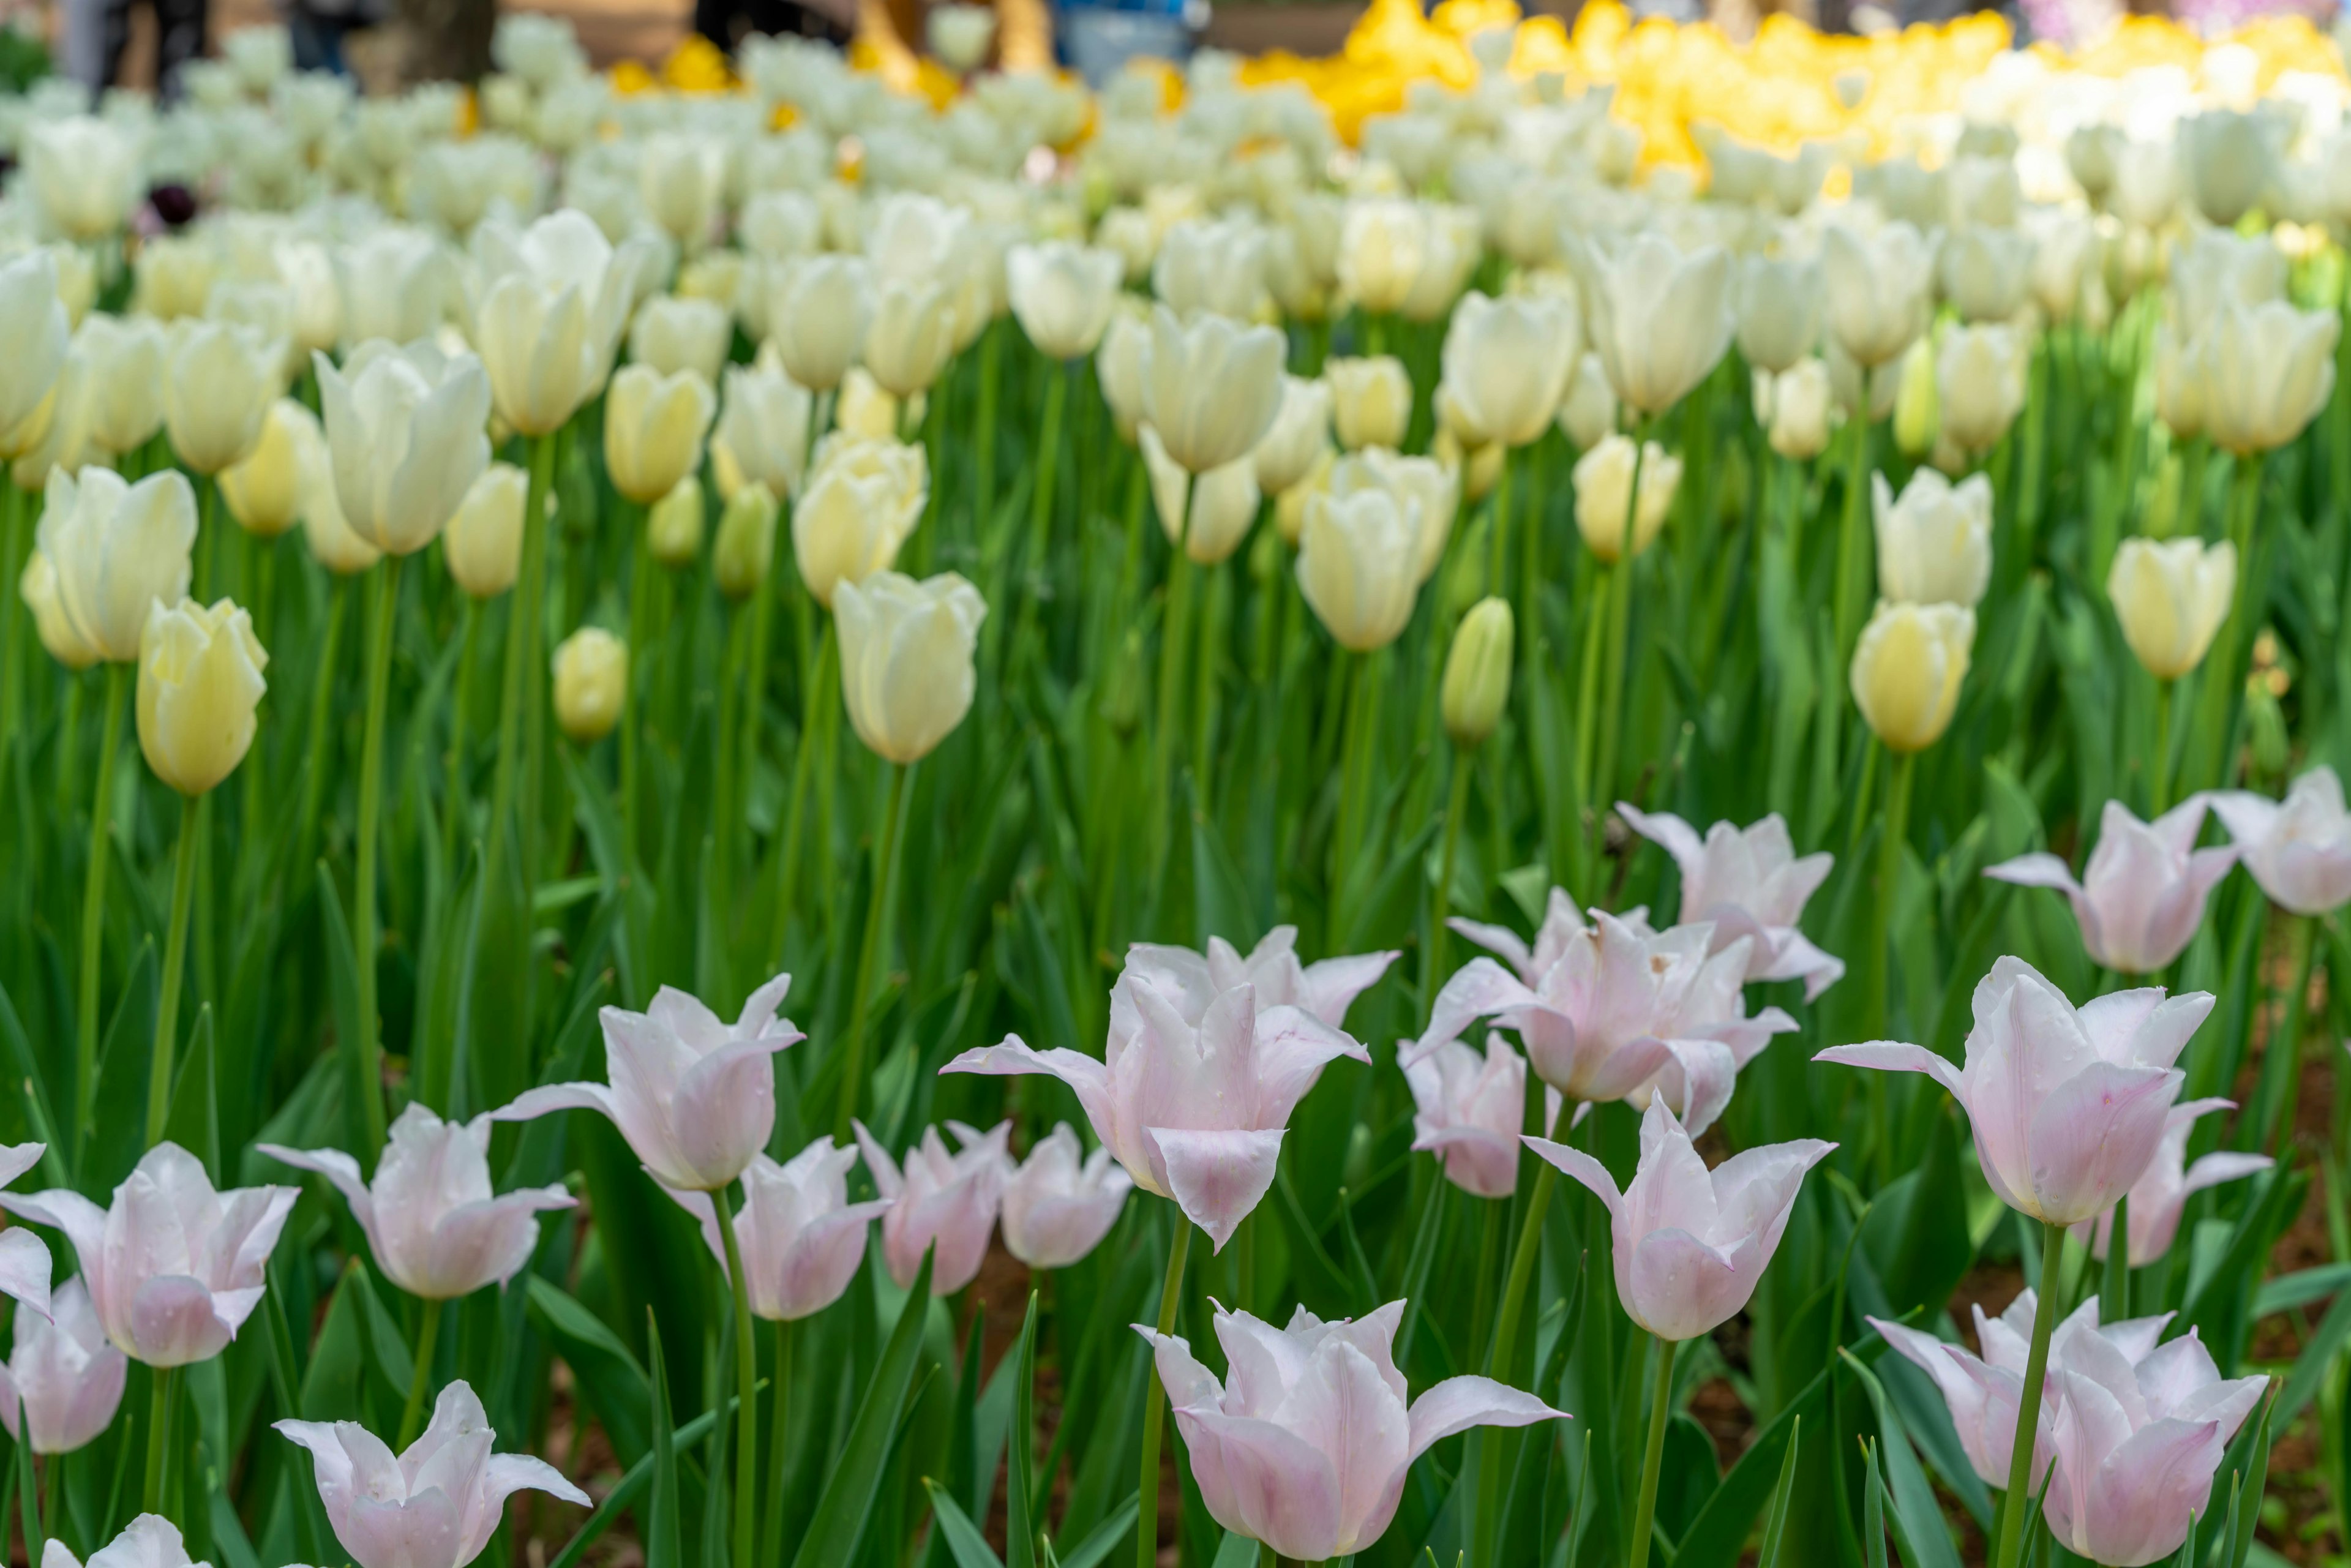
x=1217 y=1177
x=1892 y=1056
x=25 y=1268
x=1088 y=1078
x=342 y=1173
x=1584 y=1168
x=1677 y=1287
x=485 y=1243
x=16 y=1159
x=724 y=1108
x=1478 y=989
x=173 y=1322
x=1963 y=1392
x=551 y=1097
x=1497 y=939
x=2094 y=1136
x=1282 y=1490
x=822 y=1260
x=1458 y=1404
x=2038 y=869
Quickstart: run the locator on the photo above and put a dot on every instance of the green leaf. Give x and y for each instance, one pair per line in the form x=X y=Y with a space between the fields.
x=663 y=1545
x=2301 y=1288
x=1925 y=1539
x=965 y=1543
x=1237 y=1551
x=631 y=1486
x=343 y=992
x=2257 y=1466
x=1775 y=1523
x=841 y=1515
x=610 y=1377
x=1021 y=1500
x=1106 y=1537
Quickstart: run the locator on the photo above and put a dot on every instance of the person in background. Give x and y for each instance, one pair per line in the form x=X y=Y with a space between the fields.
x=892 y=29
x=179 y=38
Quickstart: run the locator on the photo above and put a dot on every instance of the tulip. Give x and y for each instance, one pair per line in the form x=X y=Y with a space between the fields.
x=1063 y=295
x=910 y=337
x=404 y=433
x=1358 y=564
x=1979 y=382
x=2298 y=849
x=1193 y=1103
x=1604 y=477
x=1794 y=408
x=1880 y=290
x=1985 y=272
x=941 y=1200
x=694 y=1099
x=84 y=173
x=264 y=492
x=866 y=499
x=746 y=549
x=1660 y=320
x=116 y=548
x=483 y=543
x=1305 y=1445
x=174 y=1267
x=149 y=1541
x=1383 y=246
x=591 y=683
x=2159 y=1196
x=2141 y=898
x=1476 y=684
x=762 y=435
x=331 y=540
x=2229 y=160
x=1194 y=979
x=219 y=382
x=2065 y=244
x=38 y=586
x=1451 y=250
x=818 y=312
x=67 y=1377
x=1469 y=1110
x=1299 y=437
x=1780 y=301
x=799 y=1236
x=434 y=1506
x=1934 y=545
x=1216 y=266
x=1211 y=388
x=681 y=180
x=1689 y=1245
x=557 y=297
x=1055 y=1210
x=654 y=429
x=172 y=277
x=1907 y=671
x=2214 y=267
x=35 y=331
x=199 y=682
x=1421 y=482
x=780 y=225
x=430 y=1216
x=1748 y=882
x=125 y=361
x=2170 y=597
x=863 y=410
x=2268 y=369
x=906 y=649
x=1505 y=367
x=1587 y=411
x=674 y=524
x=393 y=283
x=1119 y=366
x=671 y=335
x=1208 y=515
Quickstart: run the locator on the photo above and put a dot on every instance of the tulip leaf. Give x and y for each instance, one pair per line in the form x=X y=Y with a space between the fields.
x=1021 y=1493
x=2220 y=1309
x=194 y=1123
x=663 y=1548
x=1106 y=1537
x=343 y=990
x=2317 y=1356
x=124 y=1053
x=965 y=1543
x=20 y=1056
x=612 y=1379
x=1775 y=1523
x=631 y=1486
x=2301 y=1288
x=842 y=1510
x=1925 y=1539
x=2239 y=1541
x=1872 y=1507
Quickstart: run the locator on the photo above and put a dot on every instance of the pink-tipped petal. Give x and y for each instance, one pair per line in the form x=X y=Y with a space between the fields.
x=1892 y=1056
x=1217 y=1177
x=1458 y=1404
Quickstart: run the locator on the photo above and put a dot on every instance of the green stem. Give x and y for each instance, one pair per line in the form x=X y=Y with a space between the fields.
x=1620 y=631
x=1660 y=1408
x=2028 y=1408
x=175 y=961
x=2159 y=768
x=12 y=652
x=1496 y=1213
x=1358 y=748
x=163 y=1380
x=1167 y=725
x=1897 y=826
x=820 y=694
x=746 y=1446
x=365 y=929
x=322 y=691
x=1852 y=541
x=885 y=865
x=1203 y=689
x=632 y=722
x=2281 y=1078
x=1146 y=1519
x=771 y=1538
x=93 y=910
x=1498 y=529
x=1457 y=801
x=420 y=1381
x=1040 y=498
x=992 y=356
x=453 y=795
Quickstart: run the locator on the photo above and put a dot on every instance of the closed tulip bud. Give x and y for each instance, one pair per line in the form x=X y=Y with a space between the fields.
x=671 y=335
x=2092 y=154
x=1216 y=266
x=1779 y=302
x=1505 y=367
x=654 y=429
x=2229 y=160
x=1477 y=673
x=2140 y=900
x=404 y=435
x=1803 y=398
x=1660 y=320
x=2268 y=369
x=393 y=284
x=2298 y=849
x=1382 y=245
x=1359 y=564
x=864 y=499
x=1917 y=411
x=125 y=361
x=762 y=434
x=1432 y=488
x=1880 y=290
x=1063 y=295
x=674 y=524
x=2064 y=244
x=1934 y=544
x=35 y=333
x=911 y=336
x=591 y=683
x=1907 y=671
x=84 y=173
x=1985 y=272
x=799 y=1236
x=1587 y=413
x=747 y=542
x=2178 y=383
x=264 y=492
x=907 y=647
x=862 y=410
x=1371 y=400
x=1209 y=514
x=1119 y=366
x=2171 y=596
x=557 y=298
x=1604 y=493
x=1979 y=377
x=818 y=313
x=172 y=277
x=941 y=1203
x=1299 y=436
x=483 y=543
x=199 y=682
x=1211 y=388
x=219 y=384
x=115 y=548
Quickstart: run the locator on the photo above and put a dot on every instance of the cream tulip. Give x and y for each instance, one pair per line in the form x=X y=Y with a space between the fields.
x=1659 y=319
x=672 y=334
x=745 y=550
x=1210 y=389
x=654 y=430
x=863 y=410
x=200 y=681
x=329 y=535
x=1358 y=564
x=864 y=498
x=674 y=524
x=1208 y=515
x=1979 y=379
x=1505 y=367
x=1587 y=411
x=2228 y=160
x=264 y=492
x=2268 y=369
x=172 y=277
x=1217 y=266
x=219 y=382
x=1880 y=290
x=1300 y=435
x=818 y=313
x=116 y=548
x=1062 y=295
x=1780 y=301
x=84 y=174
x=591 y=683
x=911 y=336
x=482 y=546
x=124 y=357
x=1476 y=684
x=556 y=298
x=35 y=333
x=1119 y=365
x=1802 y=401
x=38 y=586
x=404 y=439
x=1382 y=245
x=2171 y=596
x=1934 y=544
x=1907 y=671
x=393 y=283
x=1430 y=486
x=762 y=435
x=1371 y=400
x=906 y=648
x=1604 y=492
x=1985 y=272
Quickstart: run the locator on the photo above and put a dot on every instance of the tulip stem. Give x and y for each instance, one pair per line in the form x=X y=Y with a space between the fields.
x=93 y=910
x=746 y=1375
x=1851 y=541
x=771 y=1540
x=813 y=712
x=1457 y=801
x=411 y=1414
x=885 y=865
x=2159 y=767
x=322 y=690
x=1645 y=1512
x=1498 y=529
x=1894 y=830
x=1041 y=496
x=1171 y=1292
x=163 y=1380
x=2018 y=1496
x=522 y=642
x=12 y=654
x=453 y=802
x=1167 y=723
x=175 y=963
x=366 y=932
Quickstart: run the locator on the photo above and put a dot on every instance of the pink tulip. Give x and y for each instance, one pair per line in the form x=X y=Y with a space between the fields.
x=2138 y=1442
x=694 y=1099
x=949 y=1200
x=2298 y=849
x=1305 y=1445
x=149 y=1541
x=1194 y=1108
x=2156 y=1198
x=1470 y=1110
x=1327 y=989
x=1055 y=1210
x=23 y=1261
x=1748 y=882
x=174 y=1267
x=2141 y=898
x=800 y=1238
x=435 y=1505
x=2068 y=1106
x=430 y=1219
x=1689 y=1243
x=68 y=1377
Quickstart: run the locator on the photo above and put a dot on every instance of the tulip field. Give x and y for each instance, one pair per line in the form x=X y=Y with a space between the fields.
x=1553 y=798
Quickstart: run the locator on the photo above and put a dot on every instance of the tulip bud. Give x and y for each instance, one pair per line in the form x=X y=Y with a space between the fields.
x=1371 y=400
x=1603 y=493
x=1477 y=673
x=2268 y=369
x=1209 y=387
x=907 y=647
x=1063 y=295
x=117 y=547
x=35 y=331
x=125 y=361
x=1209 y=515
x=674 y=524
x=1119 y=366
x=864 y=411
x=747 y=542
x=38 y=588
x=671 y=335
x=1801 y=400
x=1907 y=671
x=405 y=431
x=591 y=683
x=1506 y=366
x=1660 y=319
x=1934 y=545
x=199 y=682
x=911 y=336
x=1980 y=382
x=1588 y=410
x=863 y=500
x=763 y=433
x=219 y=380
x=2171 y=597
x=1359 y=564
x=1299 y=436
x=1916 y=418
x=818 y=312
x=264 y=492
x=654 y=429
x=483 y=543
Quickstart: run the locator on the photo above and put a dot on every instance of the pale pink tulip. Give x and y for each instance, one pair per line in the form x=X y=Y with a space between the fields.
x=694 y=1098
x=174 y=1267
x=1471 y=1108
x=1305 y=1445
x=68 y=1377
x=435 y=1505
x=1057 y=1210
x=944 y=1199
x=2298 y=849
x=2067 y=1106
x=1748 y=882
x=1193 y=1108
x=1689 y=1243
x=800 y=1238
x=149 y=1541
x=1194 y=979
x=430 y=1219
x=23 y=1261
x=2156 y=1198
x=2138 y=1442
x=2141 y=898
